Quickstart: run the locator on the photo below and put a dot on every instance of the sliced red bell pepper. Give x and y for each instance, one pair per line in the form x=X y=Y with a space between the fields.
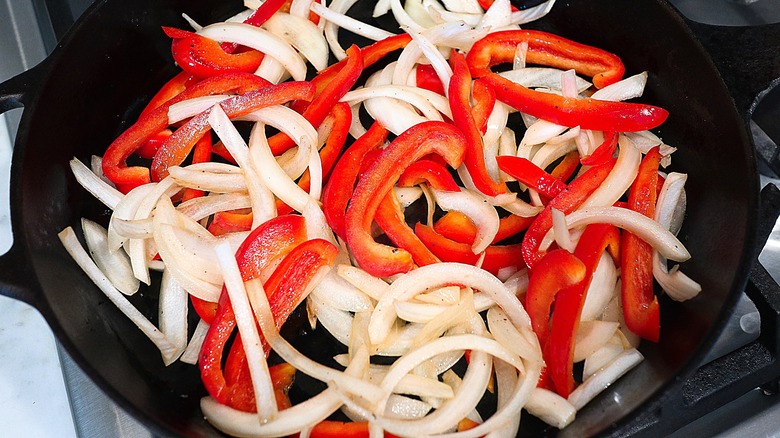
x=325 y=99
x=225 y=222
x=585 y=112
x=391 y=220
x=484 y=101
x=604 y=151
x=204 y=57
x=340 y=429
x=341 y=183
x=173 y=87
x=566 y=168
x=640 y=305
x=178 y=146
x=378 y=179
x=545 y=49
x=557 y=270
x=150 y=147
x=262 y=250
x=134 y=137
x=463 y=118
x=559 y=352
x=431 y=172
x=486 y=4
x=458 y=227
x=566 y=201
x=340 y=119
x=531 y=175
x=497 y=257
x=426 y=78
x=220 y=149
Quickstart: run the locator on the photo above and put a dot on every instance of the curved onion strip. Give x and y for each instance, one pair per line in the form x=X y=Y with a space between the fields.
x=438 y=62
x=114 y=264
x=209 y=177
x=80 y=256
x=204 y=206
x=508 y=201
x=370 y=285
x=550 y=152
x=601 y=379
x=484 y=216
x=296 y=127
x=250 y=338
x=413 y=384
x=302 y=34
x=263 y=203
x=337 y=322
x=542 y=77
x=92 y=183
x=644 y=227
x=497 y=16
x=629 y=88
x=601 y=358
x=172 y=315
x=429 y=277
x=671 y=205
x=506 y=381
x=348 y=23
x=441 y=15
x=431 y=104
x=442 y=295
x=407 y=195
x=96 y=165
x=550 y=408
x=418 y=312
x=601 y=289
x=292 y=356
x=331 y=29
x=561 y=231
x=192 y=107
x=337 y=292
x=301 y=8
x=192 y=352
x=402 y=17
x=619 y=179
x=259 y=39
x=450 y=318
x=532 y=14
x=517 y=284
x=510 y=336
x=592 y=335
x=132 y=229
x=394 y=115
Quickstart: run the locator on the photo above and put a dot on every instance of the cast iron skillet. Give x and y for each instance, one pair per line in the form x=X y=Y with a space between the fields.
x=116 y=57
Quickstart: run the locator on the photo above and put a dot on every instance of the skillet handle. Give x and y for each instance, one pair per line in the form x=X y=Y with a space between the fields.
x=15 y=277
x=746 y=58
x=21 y=89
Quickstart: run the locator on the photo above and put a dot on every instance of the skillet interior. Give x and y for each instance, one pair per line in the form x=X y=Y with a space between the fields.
x=116 y=58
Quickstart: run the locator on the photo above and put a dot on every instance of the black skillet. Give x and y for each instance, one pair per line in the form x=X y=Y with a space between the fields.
x=116 y=57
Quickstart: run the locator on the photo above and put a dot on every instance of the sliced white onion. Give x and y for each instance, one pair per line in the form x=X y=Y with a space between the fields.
x=172 y=315
x=601 y=358
x=619 y=179
x=601 y=379
x=644 y=227
x=532 y=14
x=337 y=292
x=301 y=34
x=511 y=337
x=98 y=188
x=592 y=335
x=407 y=195
x=629 y=88
x=192 y=352
x=114 y=264
x=482 y=214
x=561 y=231
x=209 y=177
x=601 y=289
x=80 y=256
x=348 y=23
x=431 y=104
x=191 y=107
x=542 y=77
x=498 y=15
x=262 y=40
x=550 y=408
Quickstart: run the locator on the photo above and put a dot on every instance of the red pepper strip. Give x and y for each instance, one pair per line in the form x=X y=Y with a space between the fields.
x=174 y=86
x=115 y=157
x=545 y=49
x=201 y=154
x=496 y=258
x=531 y=175
x=566 y=168
x=219 y=149
x=484 y=102
x=427 y=79
x=225 y=222
x=557 y=270
x=640 y=305
x=175 y=149
x=391 y=220
x=604 y=152
x=466 y=424
x=559 y=354
x=206 y=310
x=341 y=183
x=324 y=100
x=436 y=175
x=340 y=429
x=265 y=11
x=378 y=179
x=459 y=227
x=586 y=113
x=203 y=57
x=150 y=147
x=486 y=4
x=463 y=118
x=566 y=201
x=282 y=378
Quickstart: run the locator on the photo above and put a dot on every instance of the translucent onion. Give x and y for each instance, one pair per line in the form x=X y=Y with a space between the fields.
x=302 y=34
x=210 y=177
x=114 y=264
x=629 y=88
x=601 y=289
x=604 y=377
x=204 y=206
x=600 y=358
x=172 y=315
x=192 y=352
x=192 y=107
x=482 y=214
x=497 y=16
x=619 y=179
x=592 y=335
x=550 y=408
x=348 y=23
x=431 y=104
x=542 y=77
x=98 y=188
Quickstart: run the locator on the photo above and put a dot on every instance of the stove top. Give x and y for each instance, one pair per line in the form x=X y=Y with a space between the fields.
x=66 y=403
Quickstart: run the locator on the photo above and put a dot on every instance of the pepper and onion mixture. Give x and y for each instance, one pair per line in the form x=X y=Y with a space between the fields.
x=464 y=195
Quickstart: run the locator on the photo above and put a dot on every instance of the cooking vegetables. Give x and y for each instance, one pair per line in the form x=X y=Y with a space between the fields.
x=487 y=231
